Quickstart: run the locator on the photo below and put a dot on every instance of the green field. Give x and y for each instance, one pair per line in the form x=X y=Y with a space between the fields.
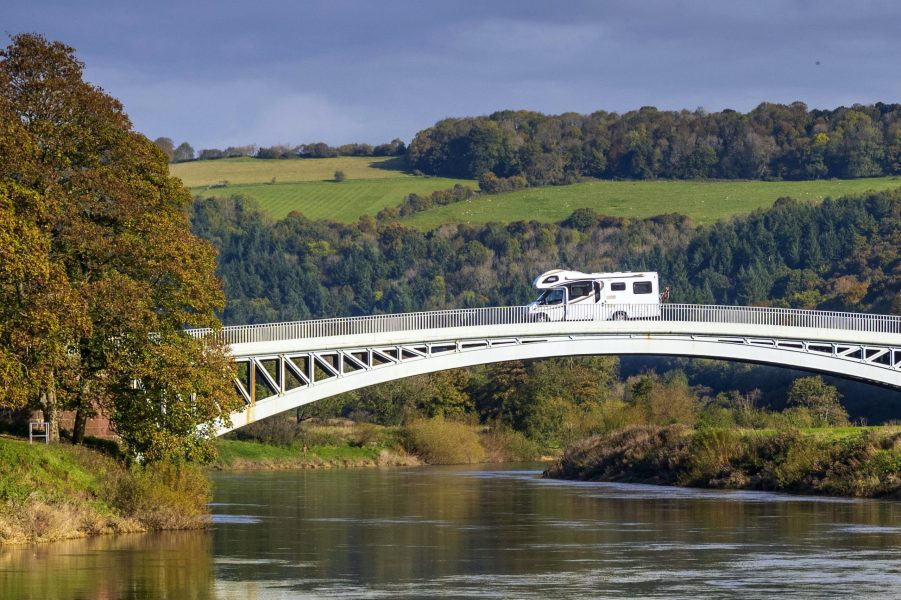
x=703 y=201
x=344 y=202
x=307 y=185
x=201 y=173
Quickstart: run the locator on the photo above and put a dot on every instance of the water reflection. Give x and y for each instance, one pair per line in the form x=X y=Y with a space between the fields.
x=422 y=532
x=171 y=565
x=483 y=534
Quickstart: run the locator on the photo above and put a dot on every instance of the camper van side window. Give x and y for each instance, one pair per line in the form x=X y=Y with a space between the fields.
x=618 y=287
x=579 y=290
x=642 y=287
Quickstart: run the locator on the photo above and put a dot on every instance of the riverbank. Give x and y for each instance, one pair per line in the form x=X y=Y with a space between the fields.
x=58 y=491
x=242 y=455
x=848 y=461
x=342 y=443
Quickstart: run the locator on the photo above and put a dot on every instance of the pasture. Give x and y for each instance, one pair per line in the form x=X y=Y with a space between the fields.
x=344 y=202
x=202 y=173
x=307 y=185
x=374 y=183
x=704 y=201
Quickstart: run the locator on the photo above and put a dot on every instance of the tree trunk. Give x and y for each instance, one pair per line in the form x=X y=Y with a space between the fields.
x=81 y=421
x=50 y=410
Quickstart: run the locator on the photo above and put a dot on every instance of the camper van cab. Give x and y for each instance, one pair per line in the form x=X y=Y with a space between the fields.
x=576 y=296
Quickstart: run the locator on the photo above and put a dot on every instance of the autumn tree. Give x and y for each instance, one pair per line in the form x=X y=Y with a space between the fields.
x=113 y=229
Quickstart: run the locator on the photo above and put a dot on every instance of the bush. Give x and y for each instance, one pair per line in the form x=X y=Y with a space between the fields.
x=161 y=495
x=503 y=444
x=440 y=442
x=366 y=434
x=340 y=176
x=278 y=430
x=712 y=452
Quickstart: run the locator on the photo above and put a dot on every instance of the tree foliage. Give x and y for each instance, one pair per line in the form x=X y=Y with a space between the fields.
x=820 y=398
x=113 y=271
x=771 y=141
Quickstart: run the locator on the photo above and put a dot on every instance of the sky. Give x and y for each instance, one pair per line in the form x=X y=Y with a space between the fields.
x=226 y=73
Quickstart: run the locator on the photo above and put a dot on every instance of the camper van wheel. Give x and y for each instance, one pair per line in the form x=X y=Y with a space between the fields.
x=619 y=316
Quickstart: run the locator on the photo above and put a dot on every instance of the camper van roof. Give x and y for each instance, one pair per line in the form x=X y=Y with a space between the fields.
x=557 y=277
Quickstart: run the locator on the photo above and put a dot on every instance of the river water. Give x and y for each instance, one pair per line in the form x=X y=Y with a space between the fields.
x=482 y=532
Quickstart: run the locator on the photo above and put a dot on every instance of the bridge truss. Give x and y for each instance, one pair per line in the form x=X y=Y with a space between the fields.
x=286 y=365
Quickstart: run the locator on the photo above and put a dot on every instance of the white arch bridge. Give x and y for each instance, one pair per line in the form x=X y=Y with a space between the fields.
x=285 y=365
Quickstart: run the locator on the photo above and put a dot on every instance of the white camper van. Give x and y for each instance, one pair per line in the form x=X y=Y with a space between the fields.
x=577 y=296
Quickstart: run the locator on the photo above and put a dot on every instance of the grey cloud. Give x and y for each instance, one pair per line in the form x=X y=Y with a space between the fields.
x=271 y=72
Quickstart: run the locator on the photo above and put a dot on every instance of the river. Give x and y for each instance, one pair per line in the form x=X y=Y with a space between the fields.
x=478 y=532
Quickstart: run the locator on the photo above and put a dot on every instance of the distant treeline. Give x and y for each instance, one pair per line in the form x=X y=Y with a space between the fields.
x=773 y=141
x=185 y=152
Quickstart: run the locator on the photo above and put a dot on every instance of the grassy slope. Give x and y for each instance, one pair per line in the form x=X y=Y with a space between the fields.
x=57 y=491
x=344 y=202
x=307 y=186
x=703 y=201
x=372 y=184
x=201 y=173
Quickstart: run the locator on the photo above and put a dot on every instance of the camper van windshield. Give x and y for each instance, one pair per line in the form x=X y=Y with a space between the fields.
x=550 y=297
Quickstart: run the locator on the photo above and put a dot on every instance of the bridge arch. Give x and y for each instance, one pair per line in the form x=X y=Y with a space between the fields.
x=332 y=372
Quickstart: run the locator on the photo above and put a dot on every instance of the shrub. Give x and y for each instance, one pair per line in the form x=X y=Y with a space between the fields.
x=278 y=430
x=503 y=444
x=441 y=442
x=340 y=176
x=712 y=452
x=366 y=434
x=161 y=495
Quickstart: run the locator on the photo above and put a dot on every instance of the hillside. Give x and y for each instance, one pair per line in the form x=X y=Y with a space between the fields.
x=308 y=186
x=703 y=201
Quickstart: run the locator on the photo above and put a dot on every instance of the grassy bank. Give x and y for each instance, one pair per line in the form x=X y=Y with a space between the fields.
x=283 y=444
x=704 y=201
x=53 y=492
x=239 y=454
x=861 y=462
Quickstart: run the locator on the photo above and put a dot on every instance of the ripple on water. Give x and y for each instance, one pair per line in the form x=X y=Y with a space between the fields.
x=640 y=491
x=411 y=520
x=866 y=529
x=236 y=519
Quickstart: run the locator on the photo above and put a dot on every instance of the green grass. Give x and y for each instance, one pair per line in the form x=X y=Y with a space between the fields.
x=57 y=491
x=240 y=453
x=54 y=472
x=307 y=185
x=231 y=450
x=344 y=202
x=703 y=201
x=201 y=173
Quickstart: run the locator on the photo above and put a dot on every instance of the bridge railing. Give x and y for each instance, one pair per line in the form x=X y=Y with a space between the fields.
x=514 y=315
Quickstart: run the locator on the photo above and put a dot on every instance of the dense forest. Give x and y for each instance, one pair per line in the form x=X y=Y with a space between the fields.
x=773 y=141
x=841 y=254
